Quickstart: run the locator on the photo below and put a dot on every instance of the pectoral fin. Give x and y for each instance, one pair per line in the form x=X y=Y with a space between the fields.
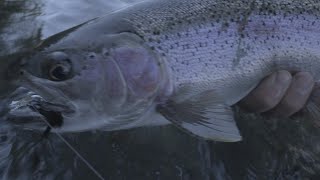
x=202 y=118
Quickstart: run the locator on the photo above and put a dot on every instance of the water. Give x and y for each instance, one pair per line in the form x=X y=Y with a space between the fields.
x=289 y=150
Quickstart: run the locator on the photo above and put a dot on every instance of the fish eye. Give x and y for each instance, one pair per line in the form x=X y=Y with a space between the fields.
x=59 y=72
x=57 y=66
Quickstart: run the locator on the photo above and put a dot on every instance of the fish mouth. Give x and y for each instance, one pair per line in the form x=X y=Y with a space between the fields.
x=33 y=112
x=47 y=110
x=37 y=115
x=53 y=113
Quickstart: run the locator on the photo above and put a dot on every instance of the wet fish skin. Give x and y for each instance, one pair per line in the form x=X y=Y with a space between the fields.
x=209 y=55
x=232 y=40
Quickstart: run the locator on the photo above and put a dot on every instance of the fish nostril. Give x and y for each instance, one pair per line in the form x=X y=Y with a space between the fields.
x=21 y=73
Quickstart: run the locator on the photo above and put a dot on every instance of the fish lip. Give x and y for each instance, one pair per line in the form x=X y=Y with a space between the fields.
x=52 y=118
x=39 y=85
x=56 y=107
x=38 y=115
x=53 y=113
x=43 y=111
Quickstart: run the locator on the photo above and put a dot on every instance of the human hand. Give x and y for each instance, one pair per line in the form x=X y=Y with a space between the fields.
x=280 y=94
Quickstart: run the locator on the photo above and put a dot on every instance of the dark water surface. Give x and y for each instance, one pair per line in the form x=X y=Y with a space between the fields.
x=288 y=149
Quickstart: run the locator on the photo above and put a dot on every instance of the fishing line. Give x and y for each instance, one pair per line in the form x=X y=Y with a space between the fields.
x=77 y=153
x=74 y=150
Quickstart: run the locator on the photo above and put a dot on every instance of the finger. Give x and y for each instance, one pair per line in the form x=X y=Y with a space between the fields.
x=312 y=106
x=315 y=94
x=268 y=93
x=296 y=96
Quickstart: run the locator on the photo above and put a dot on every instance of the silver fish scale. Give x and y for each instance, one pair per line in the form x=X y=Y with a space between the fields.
x=229 y=46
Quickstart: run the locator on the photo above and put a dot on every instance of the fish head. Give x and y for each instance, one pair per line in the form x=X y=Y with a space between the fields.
x=108 y=86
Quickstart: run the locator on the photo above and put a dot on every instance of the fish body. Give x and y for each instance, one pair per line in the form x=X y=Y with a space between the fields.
x=181 y=61
x=232 y=44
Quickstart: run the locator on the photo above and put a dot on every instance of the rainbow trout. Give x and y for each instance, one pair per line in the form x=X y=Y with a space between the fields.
x=180 y=61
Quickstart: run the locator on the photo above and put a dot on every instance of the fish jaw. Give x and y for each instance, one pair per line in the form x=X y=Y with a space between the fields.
x=46 y=89
x=77 y=115
x=73 y=118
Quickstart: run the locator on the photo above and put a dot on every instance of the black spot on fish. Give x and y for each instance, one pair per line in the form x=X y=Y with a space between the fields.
x=92 y=55
x=106 y=53
x=156 y=32
x=172 y=24
x=146 y=31
x=170 y=18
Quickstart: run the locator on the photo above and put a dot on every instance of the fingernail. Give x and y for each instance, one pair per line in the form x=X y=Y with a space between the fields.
x=304 y=83
x=283 y=78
